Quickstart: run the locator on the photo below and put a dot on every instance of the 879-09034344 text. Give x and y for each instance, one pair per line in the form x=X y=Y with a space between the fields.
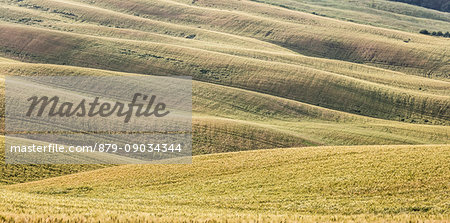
x=98 y=147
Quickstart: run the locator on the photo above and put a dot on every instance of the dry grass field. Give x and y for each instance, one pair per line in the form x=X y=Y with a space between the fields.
x=303 y=111
x=353 y=184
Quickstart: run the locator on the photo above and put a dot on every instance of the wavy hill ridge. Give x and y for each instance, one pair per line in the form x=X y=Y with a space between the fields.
x=312 y=111
x=385 y=181
x=229 y=119
x=306 y=33
x=285 y=80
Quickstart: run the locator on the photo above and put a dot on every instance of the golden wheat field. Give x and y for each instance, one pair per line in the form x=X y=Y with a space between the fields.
x=302 y=110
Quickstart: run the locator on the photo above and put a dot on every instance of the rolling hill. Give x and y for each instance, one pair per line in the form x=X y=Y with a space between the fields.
x=359 y=183
x=303 y=110
x=432 y=4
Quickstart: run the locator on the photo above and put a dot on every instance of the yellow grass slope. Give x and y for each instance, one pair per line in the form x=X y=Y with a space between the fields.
x=246 y=115
x=301 y=83
x=213 y=41
x=390 y=182
x=265 y=76
x=242 y=44
x=301 y=32
x=231 y=119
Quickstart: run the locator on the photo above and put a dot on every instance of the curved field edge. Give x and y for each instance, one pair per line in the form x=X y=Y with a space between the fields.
x=270 y=114
x=300 y=32
x=229 y=119
x=381 y=13
x=367 y=182
x=224 y=43
x=291 y=81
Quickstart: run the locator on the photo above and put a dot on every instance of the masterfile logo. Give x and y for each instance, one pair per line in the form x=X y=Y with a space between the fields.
x=98 y=119
x=97 y=108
